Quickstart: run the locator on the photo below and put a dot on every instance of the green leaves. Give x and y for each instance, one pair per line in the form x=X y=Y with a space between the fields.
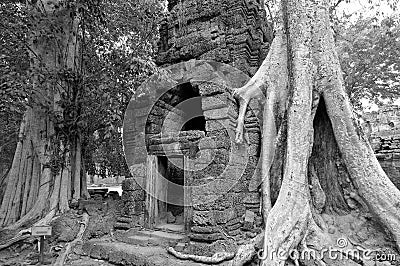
x=370 y=59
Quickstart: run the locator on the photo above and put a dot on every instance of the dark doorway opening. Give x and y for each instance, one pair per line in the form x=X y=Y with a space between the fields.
x=188 y=100
x=171 y=200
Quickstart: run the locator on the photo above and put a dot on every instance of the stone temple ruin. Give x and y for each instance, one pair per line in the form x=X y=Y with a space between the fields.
x=189 y=140
x=189 y=177
x=188 y=174
x=234 y=32
x=383 y=129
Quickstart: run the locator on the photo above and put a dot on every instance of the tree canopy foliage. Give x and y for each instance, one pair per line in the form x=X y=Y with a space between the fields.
x=13 y=85
x=119 y=55
x=370 y=58
x=368 y=42
x=119 y=40
x=118 y=44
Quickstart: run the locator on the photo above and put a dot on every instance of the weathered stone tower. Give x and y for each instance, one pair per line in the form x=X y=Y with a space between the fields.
x=234 y=32
x=209 y=187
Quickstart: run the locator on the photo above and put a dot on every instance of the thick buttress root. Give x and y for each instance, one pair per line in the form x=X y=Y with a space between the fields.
x=247 y=251
x=268 y=85
x=61 y=259
x=215 y=259
x=19 y=237
x=39 y=181
x=303 y=52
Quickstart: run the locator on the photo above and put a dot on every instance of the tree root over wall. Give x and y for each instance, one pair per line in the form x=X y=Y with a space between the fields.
x=329 y=176
x=61 y=259
x=15 y=239
x=215 y=259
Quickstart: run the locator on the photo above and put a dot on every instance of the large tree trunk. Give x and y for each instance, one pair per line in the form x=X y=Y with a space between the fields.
x=41 y=174
x=313 y=150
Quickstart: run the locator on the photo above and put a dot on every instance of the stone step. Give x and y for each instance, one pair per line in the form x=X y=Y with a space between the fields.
x=122 y=226
x=127 y=254
x=156 y=238
x=122 y=219
x=180 y=228
x=162 y=234
x=148 y=237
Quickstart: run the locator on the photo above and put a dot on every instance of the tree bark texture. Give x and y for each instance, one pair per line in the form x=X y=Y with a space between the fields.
x=41 y=174
x=319 y=171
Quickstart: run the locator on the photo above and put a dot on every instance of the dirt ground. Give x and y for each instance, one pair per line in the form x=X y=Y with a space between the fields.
x=102 y=245
x=64 y=229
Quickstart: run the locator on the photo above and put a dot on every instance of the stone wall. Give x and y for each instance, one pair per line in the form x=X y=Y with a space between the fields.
x=387 y=151
x=221 y=173
x=383 y=130
x=223 y=176
x=385 y=122
x=228 y=31
x=226 y=168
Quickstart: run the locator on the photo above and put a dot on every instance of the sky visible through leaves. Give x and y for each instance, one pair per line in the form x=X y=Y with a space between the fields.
x=361 y=9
